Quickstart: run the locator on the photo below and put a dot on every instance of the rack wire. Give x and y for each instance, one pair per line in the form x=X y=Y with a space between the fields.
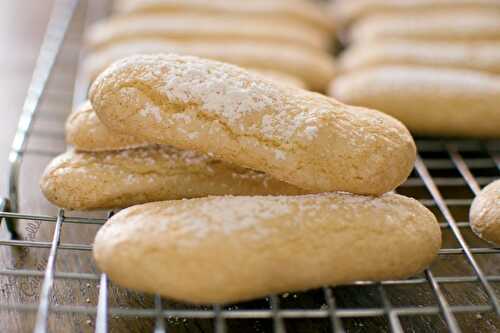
x=447 y=175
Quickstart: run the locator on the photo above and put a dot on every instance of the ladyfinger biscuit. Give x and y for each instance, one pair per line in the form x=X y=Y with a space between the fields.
x=482 y=56
x=465 y=26
x=304 y=138
x=315 y=68
x=199 y=27
x=348 y=11
x=485 y=213
x=296 y=12
x=231 y=249
x=85 y=181
x=85 y=132
x=442 y=102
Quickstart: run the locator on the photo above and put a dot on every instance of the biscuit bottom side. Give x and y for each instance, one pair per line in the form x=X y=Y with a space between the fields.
x=230 y=249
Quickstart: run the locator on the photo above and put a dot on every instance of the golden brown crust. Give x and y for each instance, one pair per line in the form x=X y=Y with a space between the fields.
x=482 y=56
x=202 y=27
x=348 y=11
x=265 y=245
x=296 y=12
x=304 y=138
x=280 y=77
x=315 y=68
x=85 y=132
x=105 y=180
x=463 y=26
x=485 y=213
x=430 y=101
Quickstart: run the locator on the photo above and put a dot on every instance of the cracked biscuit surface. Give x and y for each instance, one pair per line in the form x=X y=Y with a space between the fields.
x=85 y=132
x=304 y=138
x=230 y=249
x=105 y=180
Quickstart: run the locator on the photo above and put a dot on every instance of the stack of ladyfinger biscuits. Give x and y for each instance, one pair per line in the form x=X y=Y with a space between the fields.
x=311 y=177
x=285 y=40
x=239 y=185
x=433 y=64
x=294 y=53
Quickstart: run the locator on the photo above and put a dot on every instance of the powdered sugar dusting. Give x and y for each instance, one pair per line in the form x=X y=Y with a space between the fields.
x=255 y=217
x=214 y=216
x=311 y=132
x=279 y=155
x=151 y=109
x=215 y=89
x=246 y=102
x=485 y=211
x=131 y=178
x=192 y=135
x=132 y=166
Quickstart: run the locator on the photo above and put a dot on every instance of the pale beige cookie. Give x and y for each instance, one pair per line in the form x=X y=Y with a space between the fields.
x=85 y=181
x=280 y=78
x=202 y=27
x=85 y=132
x=231 y=249
x=293 y=11
x=483 y=56
x=485 y=213
x=315 y=68
x=430 y=101
x=304 y=138
x=348 y=11
x=470 y=26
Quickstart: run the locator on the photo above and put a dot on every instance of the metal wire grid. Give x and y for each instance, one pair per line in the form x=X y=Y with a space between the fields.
x=460 y=158
x=220 y=314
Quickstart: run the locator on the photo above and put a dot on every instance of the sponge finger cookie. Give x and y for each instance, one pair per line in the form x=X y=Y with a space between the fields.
x=315 y=68
x=482 y=56
x=280 y=78
x=303 y=138
x=485 y=213
x=264 y=245
x=443 y=102
x=85 y=132
x=470 y=26
x=199 y=27
x=348 y=11
x=297 y=12
x=104 y=180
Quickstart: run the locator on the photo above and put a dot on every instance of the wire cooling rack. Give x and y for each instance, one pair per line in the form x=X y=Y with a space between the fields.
x=49 y=283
